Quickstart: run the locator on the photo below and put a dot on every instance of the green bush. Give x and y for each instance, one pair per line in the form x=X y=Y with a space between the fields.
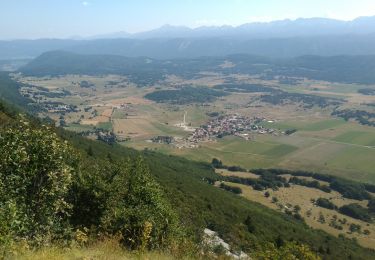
x=235 y=190
x=123 y=199
x=371 y=205
x=290 y=250
x=45 y=191
x=325 y=203
x=36 y=170
x=355 y=211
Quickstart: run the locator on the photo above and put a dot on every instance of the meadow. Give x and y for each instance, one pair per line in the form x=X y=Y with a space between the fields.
x=288 y=198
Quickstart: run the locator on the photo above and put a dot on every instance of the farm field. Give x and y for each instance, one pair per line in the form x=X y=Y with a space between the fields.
x=309 y=150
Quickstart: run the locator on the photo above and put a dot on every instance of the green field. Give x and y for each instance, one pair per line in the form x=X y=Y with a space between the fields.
x=357 y=137
x=79 y=128
x=306 y=125
x=324 y=124
x=105 y=125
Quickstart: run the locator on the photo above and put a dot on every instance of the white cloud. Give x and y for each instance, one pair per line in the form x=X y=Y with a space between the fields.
x=85 y=3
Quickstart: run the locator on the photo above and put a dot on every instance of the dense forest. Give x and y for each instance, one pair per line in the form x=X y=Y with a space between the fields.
x=361 y=116
x=367 y=91
x=185 y=95
x=245 y=88
x=305 y=100
x=9 y=90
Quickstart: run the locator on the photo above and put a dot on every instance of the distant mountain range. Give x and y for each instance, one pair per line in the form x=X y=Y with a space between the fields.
x=314 y=36
x=276 y=29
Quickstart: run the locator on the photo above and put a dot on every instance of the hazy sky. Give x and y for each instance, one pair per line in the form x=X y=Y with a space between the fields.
x=66 y=18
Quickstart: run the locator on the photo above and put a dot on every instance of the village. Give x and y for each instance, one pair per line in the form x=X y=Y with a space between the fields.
x=226 y=125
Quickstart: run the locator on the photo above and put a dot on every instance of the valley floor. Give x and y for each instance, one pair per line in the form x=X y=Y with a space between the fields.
x=321 y=143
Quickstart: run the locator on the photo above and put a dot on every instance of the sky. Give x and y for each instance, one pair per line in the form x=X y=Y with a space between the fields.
x=31 y=19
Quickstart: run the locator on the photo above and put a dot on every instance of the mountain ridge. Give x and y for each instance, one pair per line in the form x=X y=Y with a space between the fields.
x=283 y=39
x=329 y=45
x=255 y=30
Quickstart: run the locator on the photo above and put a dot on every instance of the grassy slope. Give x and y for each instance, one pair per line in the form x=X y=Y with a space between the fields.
x=107 y=249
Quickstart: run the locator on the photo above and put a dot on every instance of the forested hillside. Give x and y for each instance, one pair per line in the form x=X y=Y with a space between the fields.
x=9 y=91
x=345 y=69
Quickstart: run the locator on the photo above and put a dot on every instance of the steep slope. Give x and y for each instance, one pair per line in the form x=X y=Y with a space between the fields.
x=9 y=91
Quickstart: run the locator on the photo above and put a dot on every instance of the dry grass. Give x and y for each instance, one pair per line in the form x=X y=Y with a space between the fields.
x=104 y=250
x=107 y=112
x=302 y=196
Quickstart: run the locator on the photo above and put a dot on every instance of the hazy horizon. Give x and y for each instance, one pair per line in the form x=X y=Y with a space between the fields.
x=77 y=18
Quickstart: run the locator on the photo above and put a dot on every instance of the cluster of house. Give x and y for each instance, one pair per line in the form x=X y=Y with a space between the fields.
x=163 y=139
x=231 y=125
x=178 y=142
x=40 y=96
x=101 y=134
x=235 y=125
x=107 y=137
x=55 y=107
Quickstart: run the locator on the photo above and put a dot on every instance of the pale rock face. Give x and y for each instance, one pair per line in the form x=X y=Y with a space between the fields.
x=211 y=239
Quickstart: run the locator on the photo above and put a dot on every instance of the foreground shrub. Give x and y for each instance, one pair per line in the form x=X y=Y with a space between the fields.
x=288 y=251
x=35 y=175
x=123 y=199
